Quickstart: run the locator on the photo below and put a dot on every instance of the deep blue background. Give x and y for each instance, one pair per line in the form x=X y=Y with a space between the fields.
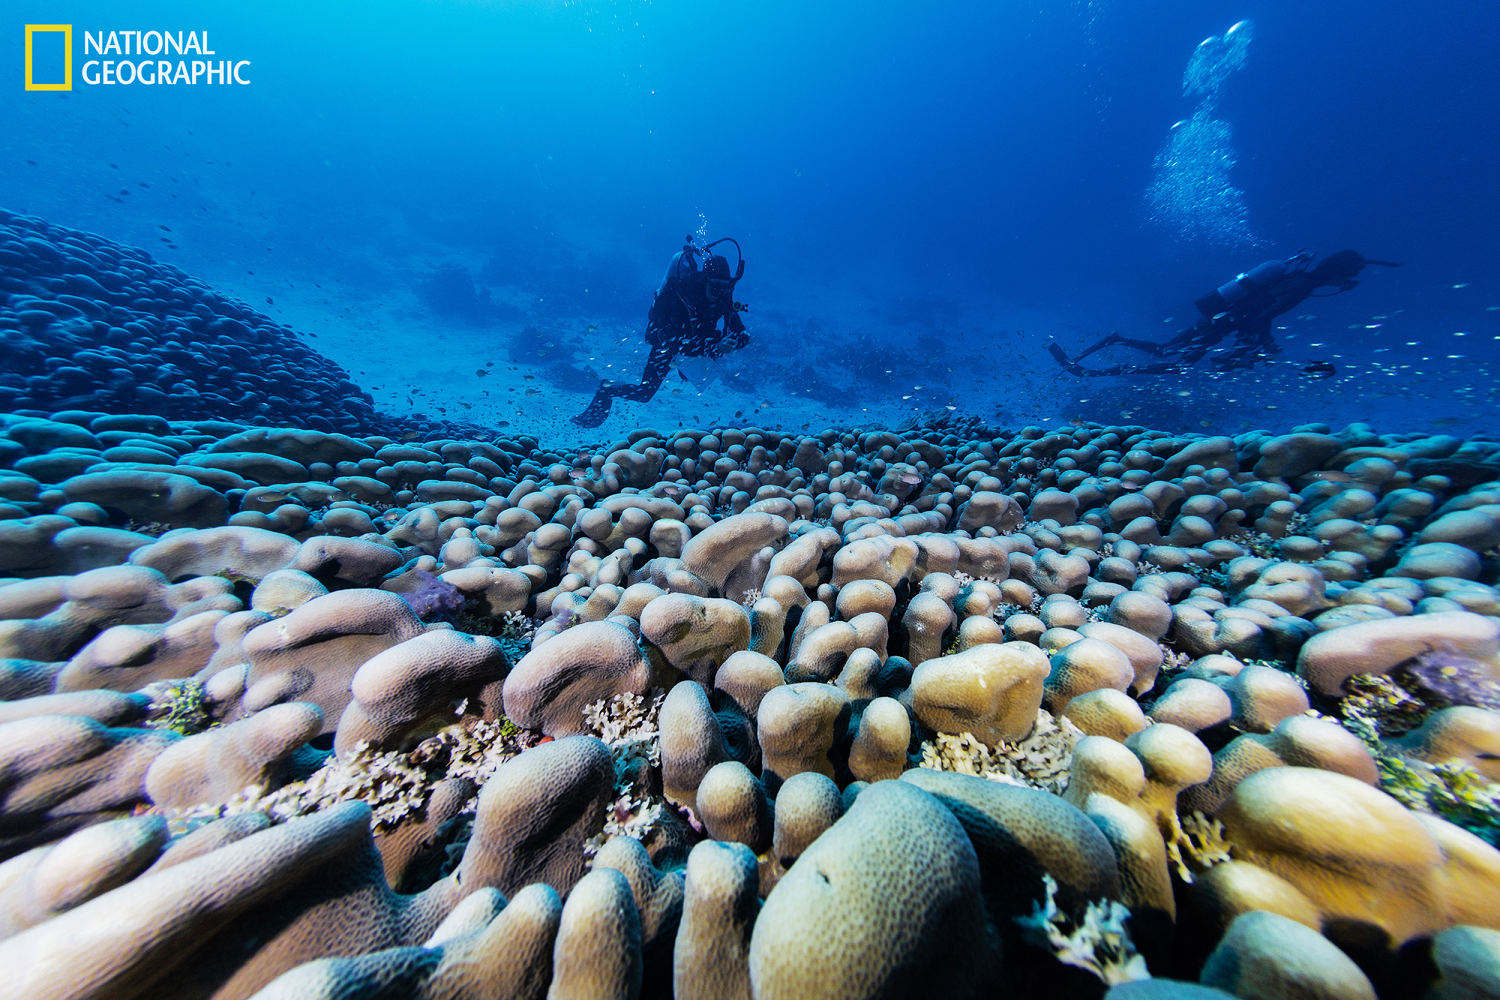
x=933 y=192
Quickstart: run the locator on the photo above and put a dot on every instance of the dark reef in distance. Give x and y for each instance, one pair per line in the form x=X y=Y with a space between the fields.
x=92 y=324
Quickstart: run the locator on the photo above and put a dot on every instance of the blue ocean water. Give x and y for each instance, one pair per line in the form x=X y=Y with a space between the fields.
x=468 y=205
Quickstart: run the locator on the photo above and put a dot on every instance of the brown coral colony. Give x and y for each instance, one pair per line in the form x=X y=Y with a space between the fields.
x=744 y=713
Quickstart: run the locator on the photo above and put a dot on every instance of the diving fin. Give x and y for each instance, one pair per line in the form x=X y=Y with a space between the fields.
x=1068 y=365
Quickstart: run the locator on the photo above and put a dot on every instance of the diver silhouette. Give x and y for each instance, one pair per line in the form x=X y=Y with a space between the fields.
x=696 y=294
x=1243 y=307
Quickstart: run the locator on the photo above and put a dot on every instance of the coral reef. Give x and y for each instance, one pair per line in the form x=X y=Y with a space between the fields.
x=1097 y=940
x=1039 y=761
x=731 y=712
x=180 y=707
x=96 y=324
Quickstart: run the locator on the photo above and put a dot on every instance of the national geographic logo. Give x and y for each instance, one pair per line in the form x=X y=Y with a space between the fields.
x=66 y=31
x=148 y=58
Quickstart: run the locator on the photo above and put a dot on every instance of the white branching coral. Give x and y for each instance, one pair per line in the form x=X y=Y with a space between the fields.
x=179 y=706
x=1041 y=760
x=637 y=806
x=624 y=718
x=1098 y=941
x=628 y=724
x=515 y=634
x=1006 y=609
x=964 y=754
x=393 y=787
x=1173 y=659
x=474 y=749
x=395 y=784
x=1195 y=843
x=515 y=625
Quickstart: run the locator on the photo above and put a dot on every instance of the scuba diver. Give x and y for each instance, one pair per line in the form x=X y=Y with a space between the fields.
x=1243 y=307
x=696 y=294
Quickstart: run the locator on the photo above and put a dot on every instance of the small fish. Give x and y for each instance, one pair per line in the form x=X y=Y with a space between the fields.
x=270 y=301
x=529 y=378
x=481 y=372
x=592 y=328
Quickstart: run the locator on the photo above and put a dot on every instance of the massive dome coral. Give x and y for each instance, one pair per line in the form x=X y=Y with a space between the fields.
x=738 y=712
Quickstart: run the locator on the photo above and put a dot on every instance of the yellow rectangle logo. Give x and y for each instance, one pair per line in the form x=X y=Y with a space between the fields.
x=67 y=33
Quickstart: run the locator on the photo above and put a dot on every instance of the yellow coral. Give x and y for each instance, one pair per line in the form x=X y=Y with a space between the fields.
x=1195 y=843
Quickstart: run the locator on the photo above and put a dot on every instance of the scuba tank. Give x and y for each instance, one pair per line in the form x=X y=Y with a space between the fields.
x=695 y=276
x=1227 y=295
x=1257 y=277
x=692 y=259
x=683 y=264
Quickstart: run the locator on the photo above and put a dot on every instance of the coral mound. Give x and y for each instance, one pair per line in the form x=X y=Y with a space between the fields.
x=90 y=324
x=294 y=712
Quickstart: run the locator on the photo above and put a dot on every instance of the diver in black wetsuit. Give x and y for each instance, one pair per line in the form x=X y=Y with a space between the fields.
x=1243 y=307
x=696 y=294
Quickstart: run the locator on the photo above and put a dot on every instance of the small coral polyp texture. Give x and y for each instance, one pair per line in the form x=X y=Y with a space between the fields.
x=951 y=710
